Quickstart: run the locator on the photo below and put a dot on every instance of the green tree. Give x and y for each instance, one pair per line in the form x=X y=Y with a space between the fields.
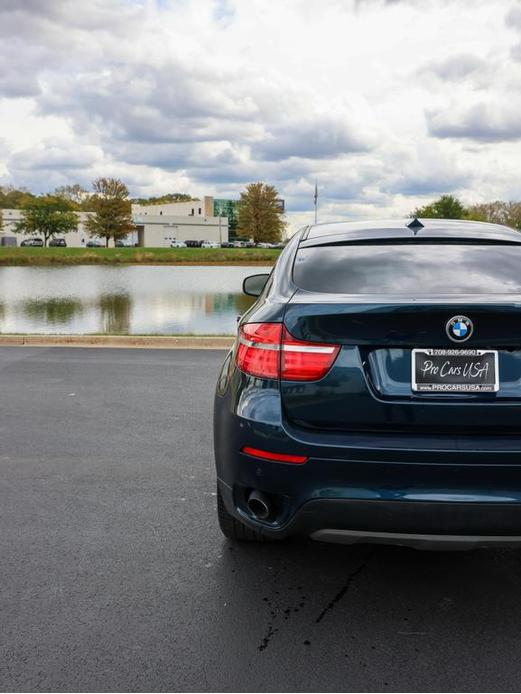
x=111 y=217
x=47 y=216
x=446 y=207
x=259 y=216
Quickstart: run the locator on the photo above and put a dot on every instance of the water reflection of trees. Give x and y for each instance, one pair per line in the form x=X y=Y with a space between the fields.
x=52 y=311
x=243 y=302
x=224 y=303
x=115 y=313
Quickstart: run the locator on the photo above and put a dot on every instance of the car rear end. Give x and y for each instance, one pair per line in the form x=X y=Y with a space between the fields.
x=374 y=391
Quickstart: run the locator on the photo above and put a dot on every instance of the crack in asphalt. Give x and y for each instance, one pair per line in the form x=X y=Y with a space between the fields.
x=272 y=630
x=344 y=588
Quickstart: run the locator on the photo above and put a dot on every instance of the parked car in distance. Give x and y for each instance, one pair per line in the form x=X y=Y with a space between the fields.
x=121 y=243
x=178 y=244
x=60 y=243
x=373 y=393
x=191 y=243
x=32 y=242
x=227 y=244
x=210 y=244
x=94 y=244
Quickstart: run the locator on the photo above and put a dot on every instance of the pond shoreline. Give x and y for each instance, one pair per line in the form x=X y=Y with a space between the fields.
x=177 y=263
x=121 y=341
x=51 y=257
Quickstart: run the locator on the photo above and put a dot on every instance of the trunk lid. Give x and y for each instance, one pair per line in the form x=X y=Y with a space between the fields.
x=369 y=385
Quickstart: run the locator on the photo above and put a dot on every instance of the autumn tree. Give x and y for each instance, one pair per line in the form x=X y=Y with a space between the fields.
x=497 y=212
x=514 y=215
x=111 y=210
x=446 y=207
x=75 y=193
x=14 y=198
x=259 y=216
x=47 y=216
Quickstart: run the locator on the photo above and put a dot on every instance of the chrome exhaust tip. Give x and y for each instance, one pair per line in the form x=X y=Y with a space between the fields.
x=259 y=505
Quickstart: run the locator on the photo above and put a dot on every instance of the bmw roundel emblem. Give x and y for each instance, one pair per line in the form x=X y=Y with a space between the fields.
x=459 y=328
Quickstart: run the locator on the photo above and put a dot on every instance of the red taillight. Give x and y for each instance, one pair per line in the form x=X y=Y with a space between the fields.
x=258 y=352
x=268 y=350
x=305 y=361
x=277 y=457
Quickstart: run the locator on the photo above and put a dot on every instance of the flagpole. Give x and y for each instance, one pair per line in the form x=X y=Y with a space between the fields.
x=316 y=201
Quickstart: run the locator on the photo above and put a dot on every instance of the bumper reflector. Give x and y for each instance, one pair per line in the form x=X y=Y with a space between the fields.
x=277 y=457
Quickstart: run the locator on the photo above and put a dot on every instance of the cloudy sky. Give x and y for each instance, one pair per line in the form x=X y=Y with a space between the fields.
x=387 y=103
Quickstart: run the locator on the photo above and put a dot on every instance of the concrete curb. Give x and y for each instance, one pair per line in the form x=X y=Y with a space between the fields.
x=153 y=341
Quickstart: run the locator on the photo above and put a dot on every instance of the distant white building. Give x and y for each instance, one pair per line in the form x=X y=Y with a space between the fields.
x=159 y=225
x=75 y=239
x=192 y=208
x=156 y=225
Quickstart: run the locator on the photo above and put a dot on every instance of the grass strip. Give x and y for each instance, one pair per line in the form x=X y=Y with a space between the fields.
x=137 y=256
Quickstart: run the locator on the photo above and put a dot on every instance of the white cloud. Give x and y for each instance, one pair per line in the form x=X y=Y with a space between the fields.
x=387 y=104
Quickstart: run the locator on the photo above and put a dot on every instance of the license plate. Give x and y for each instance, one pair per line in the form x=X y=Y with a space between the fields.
x=455 y=371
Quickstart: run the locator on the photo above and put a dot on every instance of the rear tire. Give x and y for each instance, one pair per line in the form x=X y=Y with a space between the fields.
x=232 y=528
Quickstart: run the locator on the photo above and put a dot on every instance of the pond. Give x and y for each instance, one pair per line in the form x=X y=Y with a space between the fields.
x=135 y=299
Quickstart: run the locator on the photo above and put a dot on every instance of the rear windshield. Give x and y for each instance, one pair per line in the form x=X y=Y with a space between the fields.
x=410 y=269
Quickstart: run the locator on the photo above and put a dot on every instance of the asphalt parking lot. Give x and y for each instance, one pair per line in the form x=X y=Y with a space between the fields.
x=114 y=574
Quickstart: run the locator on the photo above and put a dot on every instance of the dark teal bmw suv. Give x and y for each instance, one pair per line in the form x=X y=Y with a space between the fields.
x=373 y=393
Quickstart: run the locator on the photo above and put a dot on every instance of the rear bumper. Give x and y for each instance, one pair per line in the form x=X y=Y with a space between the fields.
x=409 y=523
x=361 y=487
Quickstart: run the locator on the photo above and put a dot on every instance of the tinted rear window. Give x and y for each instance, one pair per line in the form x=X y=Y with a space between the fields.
x=410 y=269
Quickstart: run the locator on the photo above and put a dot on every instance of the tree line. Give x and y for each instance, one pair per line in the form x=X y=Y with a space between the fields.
x=449 y=207
x=258 y=213
x=80 y=198
x=109 y=207
x=56 y=214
